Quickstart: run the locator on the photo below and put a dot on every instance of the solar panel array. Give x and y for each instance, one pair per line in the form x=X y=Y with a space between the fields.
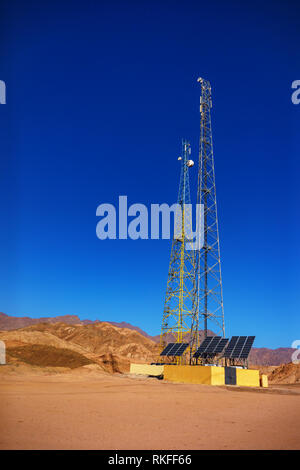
x=211 y=346
x=174 y=349
x=239 y=347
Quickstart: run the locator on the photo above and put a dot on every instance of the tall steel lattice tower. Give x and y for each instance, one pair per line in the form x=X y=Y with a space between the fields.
x=209 y=298
x=180 y=296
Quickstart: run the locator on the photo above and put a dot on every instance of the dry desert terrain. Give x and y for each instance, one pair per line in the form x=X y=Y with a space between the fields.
x=91 y=409
x=66 y=386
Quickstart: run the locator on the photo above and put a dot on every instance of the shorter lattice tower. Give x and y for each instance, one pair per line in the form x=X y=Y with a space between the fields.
x=179 y=308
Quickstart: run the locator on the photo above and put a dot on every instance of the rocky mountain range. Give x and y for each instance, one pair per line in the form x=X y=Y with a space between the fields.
x=126 y=340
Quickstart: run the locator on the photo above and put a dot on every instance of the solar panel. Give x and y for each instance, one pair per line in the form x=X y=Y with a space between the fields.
x=180 y=350
x=221 y=345
x=247 y=347
x=212 y=345
x=239 y=347
x=174 y=349
x=167 y=349
x=231 y=346
x=203 y=346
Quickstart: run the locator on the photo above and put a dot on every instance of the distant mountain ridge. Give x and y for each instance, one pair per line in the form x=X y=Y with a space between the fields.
x=9 y=322
x=258 y=356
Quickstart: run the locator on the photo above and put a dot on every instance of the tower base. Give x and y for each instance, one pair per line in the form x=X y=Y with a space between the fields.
x=207 y=375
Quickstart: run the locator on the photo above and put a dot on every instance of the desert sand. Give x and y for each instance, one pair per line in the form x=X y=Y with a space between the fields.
x=67 y=387
x=95 y=410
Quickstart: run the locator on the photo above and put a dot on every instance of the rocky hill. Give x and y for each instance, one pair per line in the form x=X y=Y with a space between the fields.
x=270 y=357
x=258 y=356
x=285 y=374
x=70 y=346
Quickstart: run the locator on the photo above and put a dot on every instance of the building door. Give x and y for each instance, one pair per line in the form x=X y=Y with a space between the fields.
x=230 y=376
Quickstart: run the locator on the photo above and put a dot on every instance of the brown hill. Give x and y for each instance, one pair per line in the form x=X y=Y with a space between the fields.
x=169 y=338
x=285 y=374
x=61 y=345
x=123 y=324
x=270 y=357
x=46 y=356
x=101 y=338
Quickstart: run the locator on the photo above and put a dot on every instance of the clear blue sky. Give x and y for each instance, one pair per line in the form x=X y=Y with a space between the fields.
x=99 y=95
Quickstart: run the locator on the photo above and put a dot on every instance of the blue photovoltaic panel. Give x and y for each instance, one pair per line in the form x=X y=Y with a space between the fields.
x=203 y=346
x=212 y=345
x=167 y=349
x=239 y=347
x=181 y=349
x=221 y=345
x=231 y=346
x=247 y=347
x=178 y=349
x=174 y=349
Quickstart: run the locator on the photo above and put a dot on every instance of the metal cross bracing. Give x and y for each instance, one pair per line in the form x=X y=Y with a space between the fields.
x=179 y=307
x=209 y=295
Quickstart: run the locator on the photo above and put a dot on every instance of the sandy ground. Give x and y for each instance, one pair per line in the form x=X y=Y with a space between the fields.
x=66 y=411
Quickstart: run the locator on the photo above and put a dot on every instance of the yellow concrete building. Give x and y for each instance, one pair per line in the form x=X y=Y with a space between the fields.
x=247 y=377
x=264 y=381
x=195 y=374
x=208 y=375
x=146 y=369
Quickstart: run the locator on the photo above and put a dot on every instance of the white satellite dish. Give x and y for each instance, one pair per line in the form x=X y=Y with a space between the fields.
x=190 y=163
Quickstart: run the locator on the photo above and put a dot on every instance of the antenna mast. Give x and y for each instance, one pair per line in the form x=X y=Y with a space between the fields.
x=209 y=298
